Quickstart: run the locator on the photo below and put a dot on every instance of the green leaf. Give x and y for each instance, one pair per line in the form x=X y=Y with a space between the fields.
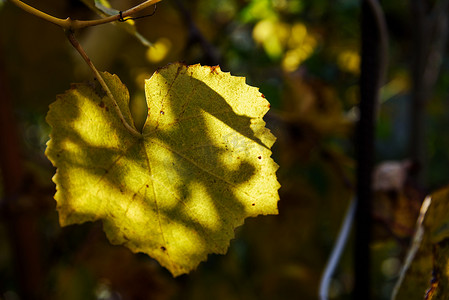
x=201 y=166
x=105 y=7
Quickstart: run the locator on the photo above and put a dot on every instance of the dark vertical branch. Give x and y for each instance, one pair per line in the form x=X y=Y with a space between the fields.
x=372 y=68
x=417 y=113
x=15 y=205
x=428 y=40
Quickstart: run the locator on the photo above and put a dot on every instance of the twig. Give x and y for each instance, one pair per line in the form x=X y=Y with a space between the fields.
x=372 y=68
x=103 y=84
x=381 y=23
x=413 y=249
x=374 y=47
x=72 y=25
x=429 y=40
x=337 y=251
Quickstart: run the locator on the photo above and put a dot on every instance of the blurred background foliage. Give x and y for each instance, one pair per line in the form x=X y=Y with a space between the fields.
x=304 y=56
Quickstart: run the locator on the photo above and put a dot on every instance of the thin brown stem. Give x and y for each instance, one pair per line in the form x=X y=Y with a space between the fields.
x=103 y=84
x=72 y=25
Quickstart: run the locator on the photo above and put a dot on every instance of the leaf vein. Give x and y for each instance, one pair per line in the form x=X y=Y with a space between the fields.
x=150 y=173
x=197 y=223
x=199 y=166
x=178 y=121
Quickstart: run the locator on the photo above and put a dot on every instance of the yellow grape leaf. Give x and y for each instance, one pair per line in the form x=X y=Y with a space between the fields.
x=201 y=166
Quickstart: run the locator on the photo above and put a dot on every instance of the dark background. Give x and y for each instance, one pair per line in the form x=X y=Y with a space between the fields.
x=304 y=56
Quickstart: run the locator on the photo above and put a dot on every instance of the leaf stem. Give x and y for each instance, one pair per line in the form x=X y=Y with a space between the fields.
x=103 y=84
x=72 y=25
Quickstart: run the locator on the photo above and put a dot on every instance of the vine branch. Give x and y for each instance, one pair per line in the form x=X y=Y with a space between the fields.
x=72 y=25
x=373 y=66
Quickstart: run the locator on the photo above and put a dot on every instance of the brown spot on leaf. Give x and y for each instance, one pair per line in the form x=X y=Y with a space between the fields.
x=254 y=204
x=163 y=248
x=96 y=87
x=263 y=96
x=102 y=105
x=260 y=157
x=215 y=69
x=147 y=185
x=162 y=112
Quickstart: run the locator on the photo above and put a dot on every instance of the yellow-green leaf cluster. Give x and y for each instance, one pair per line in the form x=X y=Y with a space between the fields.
x=177 y=192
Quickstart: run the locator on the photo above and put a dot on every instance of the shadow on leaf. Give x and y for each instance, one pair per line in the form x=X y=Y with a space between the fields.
x=178 y=192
